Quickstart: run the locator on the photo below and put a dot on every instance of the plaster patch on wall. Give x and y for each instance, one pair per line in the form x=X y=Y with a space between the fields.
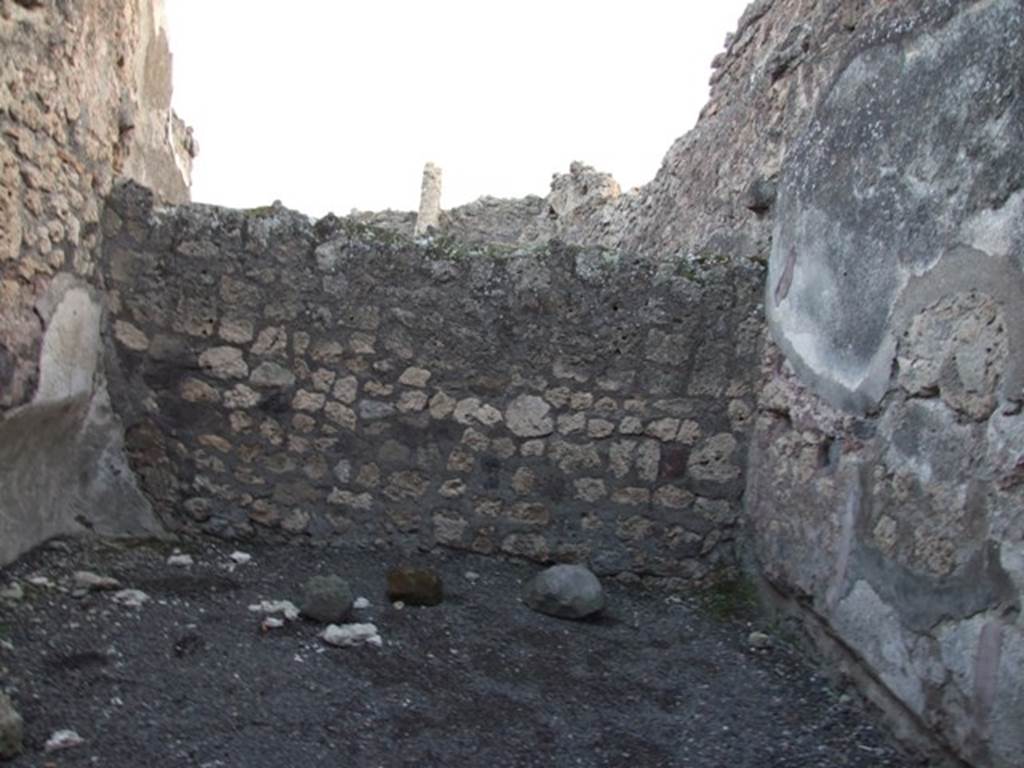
x=71 y=345
x=873 y=628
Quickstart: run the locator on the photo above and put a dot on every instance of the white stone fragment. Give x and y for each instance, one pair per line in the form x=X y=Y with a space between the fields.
x=93 y=581
x=240 y=557
x=347 y=635
x=63 y=739
x=181 y=560
x=361 y=604
x=131 y=598
x=40 y=581
x=270 y=607
x=272 y=622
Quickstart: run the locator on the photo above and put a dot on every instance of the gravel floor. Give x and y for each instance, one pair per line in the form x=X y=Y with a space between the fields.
x=189 y=679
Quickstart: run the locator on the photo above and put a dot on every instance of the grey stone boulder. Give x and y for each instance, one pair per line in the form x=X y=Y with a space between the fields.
x=565 y=591
x=327 y=599
x=11 y=729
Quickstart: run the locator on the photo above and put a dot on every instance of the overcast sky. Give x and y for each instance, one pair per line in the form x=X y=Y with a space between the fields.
x=330 y=105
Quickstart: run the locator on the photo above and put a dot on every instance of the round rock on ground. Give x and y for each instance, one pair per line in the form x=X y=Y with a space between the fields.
x=327 y=599
x=565 y=591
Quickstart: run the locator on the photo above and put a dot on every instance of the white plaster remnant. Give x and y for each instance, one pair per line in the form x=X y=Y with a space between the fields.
x=67 y=362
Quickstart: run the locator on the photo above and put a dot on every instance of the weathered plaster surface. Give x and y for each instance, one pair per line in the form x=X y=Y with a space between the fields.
x=887 y=464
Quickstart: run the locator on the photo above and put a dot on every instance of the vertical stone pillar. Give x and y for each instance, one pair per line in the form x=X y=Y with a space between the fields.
x=430 y=200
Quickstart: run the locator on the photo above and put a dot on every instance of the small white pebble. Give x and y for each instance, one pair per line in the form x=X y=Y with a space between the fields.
x=63 y=739
x=40 y=581
x=472 y=575
x=361 y=604
x=398 y=605
x=132 y=598
x=180 y=560
x=240 y=557
x=270 y=607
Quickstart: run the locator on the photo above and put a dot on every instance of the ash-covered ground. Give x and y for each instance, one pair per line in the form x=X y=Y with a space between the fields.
x=190 y=678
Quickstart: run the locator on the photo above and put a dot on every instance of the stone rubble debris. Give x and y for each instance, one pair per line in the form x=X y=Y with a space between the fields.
x=241 y=558
x=63 y=739
x=565 y=591
x=361 y=604
x=348 y=635
x=181 y=560
x=41 y=581
x=270 y=607
x=90 y=581
x=131 y=598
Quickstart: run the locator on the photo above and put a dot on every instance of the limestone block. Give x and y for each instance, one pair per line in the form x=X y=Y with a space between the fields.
x=130 y=336
x=224 y=363
x=272 y=375
x=529 y=416
x=346 y=389
x=415 y=377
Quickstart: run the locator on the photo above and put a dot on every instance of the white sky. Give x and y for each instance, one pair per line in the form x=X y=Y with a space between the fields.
x=329 y=105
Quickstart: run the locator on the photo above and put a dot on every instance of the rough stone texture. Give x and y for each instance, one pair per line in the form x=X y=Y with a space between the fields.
x=463 y=391
x=327 y=599
x=886 y=488
x=85 y=95
x=84 y=98
x=565 y=591
x=881 y=216
x=585 y=403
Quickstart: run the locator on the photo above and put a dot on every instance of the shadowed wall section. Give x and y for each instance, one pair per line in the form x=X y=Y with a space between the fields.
x=280 y=378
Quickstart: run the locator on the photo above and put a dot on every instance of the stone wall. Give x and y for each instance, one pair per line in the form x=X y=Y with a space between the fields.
x=886 y=494
x=280 y=377
x=84 y=97
x=284 y=378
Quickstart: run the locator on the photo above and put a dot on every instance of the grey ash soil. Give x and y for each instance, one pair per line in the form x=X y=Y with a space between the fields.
x=189 y=680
